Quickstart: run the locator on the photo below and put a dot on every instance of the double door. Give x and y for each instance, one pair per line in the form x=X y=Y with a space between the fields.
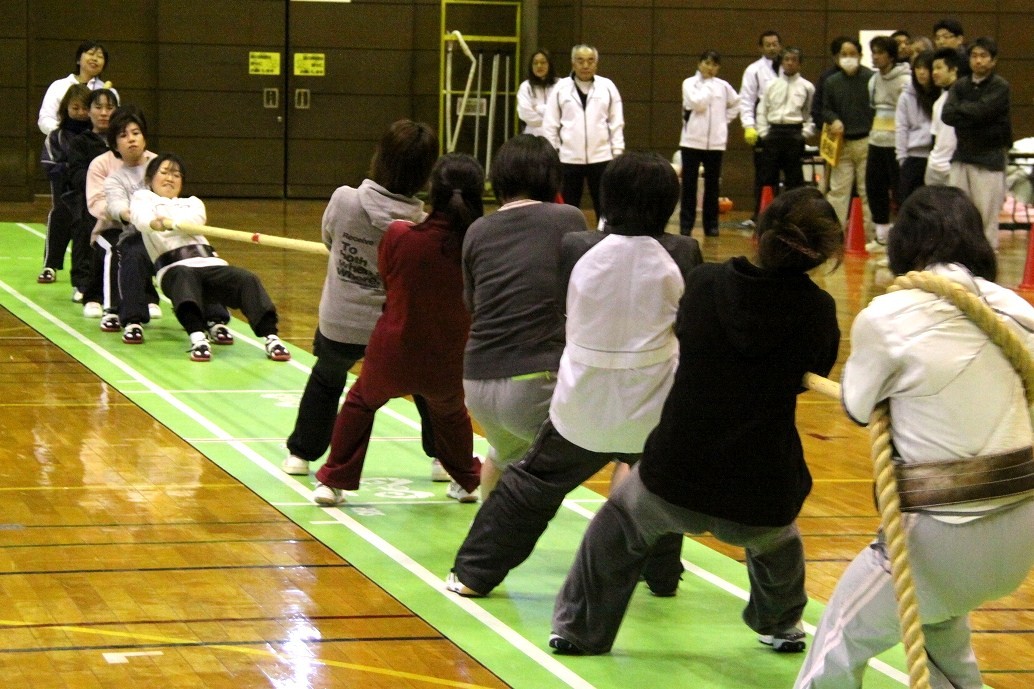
x=274 y=99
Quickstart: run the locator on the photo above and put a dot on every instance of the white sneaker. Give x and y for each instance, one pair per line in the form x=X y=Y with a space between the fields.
x=876 y=247
x=327 y=496
x=452 y=583
x=154 y=311
x=456 y=492
x=77 y=296
x=92 y=309
x=295 y=466
x=438 y=472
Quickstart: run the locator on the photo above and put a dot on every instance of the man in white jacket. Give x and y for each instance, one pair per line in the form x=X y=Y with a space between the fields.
x=945 y=71
x=585 y=122
x=755 y=78
x=784 y=122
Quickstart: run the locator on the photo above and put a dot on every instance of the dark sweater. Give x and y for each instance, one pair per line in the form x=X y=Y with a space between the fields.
x=980 y=114
x=510 y=272
x=846 y=98
x=726 y=444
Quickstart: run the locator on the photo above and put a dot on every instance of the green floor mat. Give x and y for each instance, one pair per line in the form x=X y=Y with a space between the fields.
x=399 y=529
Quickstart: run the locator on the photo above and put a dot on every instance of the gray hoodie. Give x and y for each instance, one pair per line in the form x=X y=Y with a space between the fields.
x=884 y=91
x=353 y=224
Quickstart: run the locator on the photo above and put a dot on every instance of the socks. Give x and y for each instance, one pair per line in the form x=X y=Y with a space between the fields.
x=881 y=233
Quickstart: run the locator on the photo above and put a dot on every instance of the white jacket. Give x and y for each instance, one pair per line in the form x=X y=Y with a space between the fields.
x=712 y=104
x=952 y=392
x=583 y=135
x=944 y=142
x=786 y=100
x=621 y=353
x=145 y=206
x=531 y=105
x=48 y=111
x=755 y=78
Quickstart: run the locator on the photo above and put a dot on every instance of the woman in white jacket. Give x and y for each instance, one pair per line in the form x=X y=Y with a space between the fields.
x=959 y=412
x=534 y=91
x=709 y=104
x=189 y=270
x=914 y=139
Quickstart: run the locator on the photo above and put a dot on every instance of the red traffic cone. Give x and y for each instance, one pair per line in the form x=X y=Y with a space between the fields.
x=766 y=198
x=854 y=245
x=1027 y=283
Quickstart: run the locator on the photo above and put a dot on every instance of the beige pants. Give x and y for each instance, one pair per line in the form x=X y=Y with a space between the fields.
x=850 y=171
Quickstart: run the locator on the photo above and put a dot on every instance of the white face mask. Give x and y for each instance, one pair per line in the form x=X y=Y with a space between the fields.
x=849 y=64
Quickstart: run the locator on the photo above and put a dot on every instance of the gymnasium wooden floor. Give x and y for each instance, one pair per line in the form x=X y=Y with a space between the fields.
x=127 y=557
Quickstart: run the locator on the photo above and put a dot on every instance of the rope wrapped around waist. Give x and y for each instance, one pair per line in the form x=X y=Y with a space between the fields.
x=955 y=481
x=183 y=253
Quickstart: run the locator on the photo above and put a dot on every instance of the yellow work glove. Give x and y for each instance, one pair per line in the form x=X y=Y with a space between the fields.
x=750 y=135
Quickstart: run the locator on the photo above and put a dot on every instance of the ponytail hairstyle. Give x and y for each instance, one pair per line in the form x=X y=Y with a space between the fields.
x=457 y=185
x=799 y=231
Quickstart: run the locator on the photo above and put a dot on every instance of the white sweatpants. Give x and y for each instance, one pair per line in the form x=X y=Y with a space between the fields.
x=956 y=568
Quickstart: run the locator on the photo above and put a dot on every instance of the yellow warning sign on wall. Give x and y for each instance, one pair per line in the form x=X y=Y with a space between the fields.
x=264 y=63
x=310 y=64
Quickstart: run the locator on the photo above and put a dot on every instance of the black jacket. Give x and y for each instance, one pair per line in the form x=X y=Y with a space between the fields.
x=726 y=444
x=980 y=114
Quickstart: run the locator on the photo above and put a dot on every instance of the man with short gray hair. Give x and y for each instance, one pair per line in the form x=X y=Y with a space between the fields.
x=585 y=122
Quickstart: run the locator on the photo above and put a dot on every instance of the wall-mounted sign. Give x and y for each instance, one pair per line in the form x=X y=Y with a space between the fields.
x=264 y=63
x=310 y=64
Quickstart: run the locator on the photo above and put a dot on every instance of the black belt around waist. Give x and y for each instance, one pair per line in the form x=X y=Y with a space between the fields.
x=183 y=253
x=955 y=481
x=786 y=127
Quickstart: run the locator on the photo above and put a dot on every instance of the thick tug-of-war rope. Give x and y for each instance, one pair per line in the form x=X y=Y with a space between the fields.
x=250 y=237
x=880 y=437
x=890 y=519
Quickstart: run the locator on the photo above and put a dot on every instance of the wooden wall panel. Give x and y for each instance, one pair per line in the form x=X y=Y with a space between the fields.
x=352 y=25
x=681 y=29
x=175 y=58
x=226 y=22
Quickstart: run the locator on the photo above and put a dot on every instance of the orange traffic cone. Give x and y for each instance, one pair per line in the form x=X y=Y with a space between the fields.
x=1027 y=284
x=766 y=198
x=855 y=242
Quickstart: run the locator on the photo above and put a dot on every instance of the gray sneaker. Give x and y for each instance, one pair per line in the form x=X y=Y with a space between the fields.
x=787 y=641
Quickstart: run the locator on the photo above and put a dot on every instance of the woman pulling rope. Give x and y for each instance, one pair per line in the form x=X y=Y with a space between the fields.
x=962 y=447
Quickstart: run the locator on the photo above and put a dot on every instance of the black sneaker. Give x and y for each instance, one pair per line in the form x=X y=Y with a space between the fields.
x=564 y=647
x=787 y=641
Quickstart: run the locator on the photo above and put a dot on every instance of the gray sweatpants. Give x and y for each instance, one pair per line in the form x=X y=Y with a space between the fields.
x=986 y=189
x=592 y=602
x=956 y=567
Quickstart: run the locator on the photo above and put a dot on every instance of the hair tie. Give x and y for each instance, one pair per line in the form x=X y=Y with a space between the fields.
x=807 y=251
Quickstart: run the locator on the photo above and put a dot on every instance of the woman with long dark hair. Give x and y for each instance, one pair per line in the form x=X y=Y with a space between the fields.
x=914 y=139
x=417 y=345
x=534 y=91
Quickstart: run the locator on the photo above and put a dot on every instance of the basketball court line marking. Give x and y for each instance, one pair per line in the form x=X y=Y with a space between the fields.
x=544 y=659
x=516 y=640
